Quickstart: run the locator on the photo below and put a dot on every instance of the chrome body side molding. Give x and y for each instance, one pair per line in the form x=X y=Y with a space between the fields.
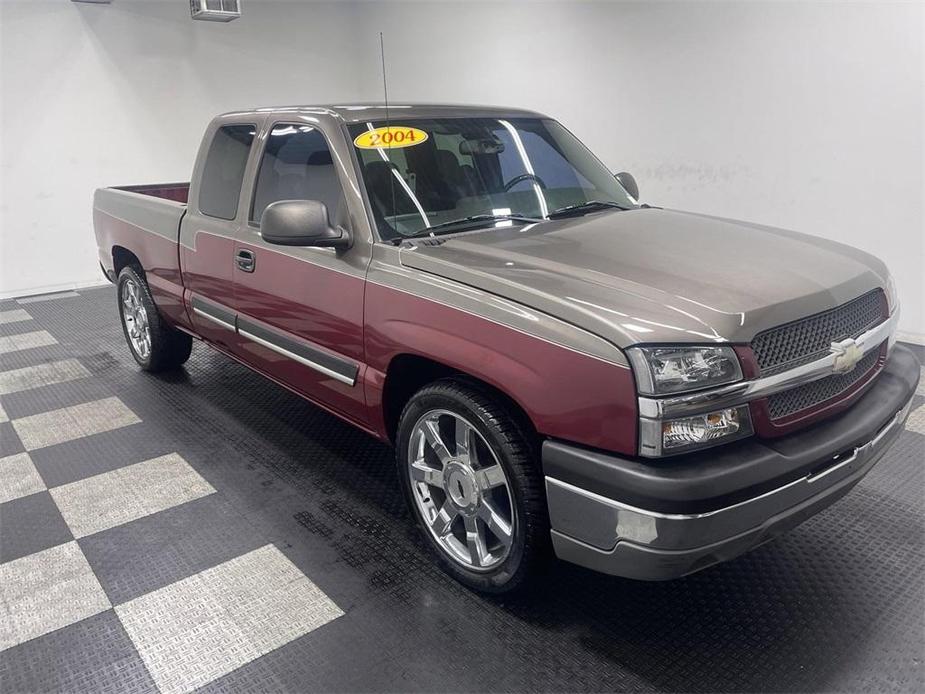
x=330 y=365
x=334 y=367
x=214 y=313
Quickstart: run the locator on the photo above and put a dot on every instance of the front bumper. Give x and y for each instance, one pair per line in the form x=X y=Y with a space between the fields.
x=660 y=520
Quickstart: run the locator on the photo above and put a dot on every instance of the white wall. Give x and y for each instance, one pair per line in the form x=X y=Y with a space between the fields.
x=96 y=95
x=805 y=116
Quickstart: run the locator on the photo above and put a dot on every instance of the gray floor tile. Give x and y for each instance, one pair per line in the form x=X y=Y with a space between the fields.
x=93 y=655
x=17 y=380
x=916 y=420
x=14 y=316
x=75 y=422
x=113 y=498
x=152 y=552
x=9 y=440
x=45 y=591
x=17 y=343
x=29 y=525
x=203 y=627
x=18 y=477
x=46 y=297
x=3 y=417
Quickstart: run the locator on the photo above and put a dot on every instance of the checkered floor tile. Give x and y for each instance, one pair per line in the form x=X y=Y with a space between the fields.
x=208 y=529
x=205 y=626
x=42 y=375
x=75 y=422
x=15 y=315
x=15 y=343
x=95 y=543
x=18 y=477
x=45 y=591
x=113 y=498
x=46 y=297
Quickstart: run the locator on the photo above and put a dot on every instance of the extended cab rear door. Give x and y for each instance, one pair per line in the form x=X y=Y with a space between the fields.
x=211 y=224
x=300 y=309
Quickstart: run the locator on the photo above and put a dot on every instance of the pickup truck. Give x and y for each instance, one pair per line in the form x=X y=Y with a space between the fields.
x=561 y=370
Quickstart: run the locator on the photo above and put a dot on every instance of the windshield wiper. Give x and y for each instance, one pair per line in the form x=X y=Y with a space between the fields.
x=582 y=207
x=473 y=219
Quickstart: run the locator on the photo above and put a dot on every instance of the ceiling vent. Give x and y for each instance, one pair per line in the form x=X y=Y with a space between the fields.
x=215 y=10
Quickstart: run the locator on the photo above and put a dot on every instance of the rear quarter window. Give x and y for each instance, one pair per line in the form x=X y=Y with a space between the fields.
x=223 y=172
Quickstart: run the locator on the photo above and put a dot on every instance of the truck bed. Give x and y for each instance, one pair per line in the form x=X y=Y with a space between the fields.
x=141 y=224
x=178 y=192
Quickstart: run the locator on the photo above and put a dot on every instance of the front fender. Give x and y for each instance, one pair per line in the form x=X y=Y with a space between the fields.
x=567 y=394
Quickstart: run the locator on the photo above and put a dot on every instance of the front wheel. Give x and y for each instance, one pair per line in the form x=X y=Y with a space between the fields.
x=470 y=477
x=155 y=345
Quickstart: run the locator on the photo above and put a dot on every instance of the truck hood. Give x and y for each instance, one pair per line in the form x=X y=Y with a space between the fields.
x=652 y=275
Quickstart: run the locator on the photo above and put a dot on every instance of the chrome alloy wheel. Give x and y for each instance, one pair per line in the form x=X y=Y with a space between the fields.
x=461 y=490
x=135 y=318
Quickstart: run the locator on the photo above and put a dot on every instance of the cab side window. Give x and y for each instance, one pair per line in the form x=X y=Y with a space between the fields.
x=297 y=165
x=220 y=184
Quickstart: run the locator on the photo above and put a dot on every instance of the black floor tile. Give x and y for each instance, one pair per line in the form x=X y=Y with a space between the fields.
x=23 y=358
x=94 y=455
x=9 y=440
x=93 y=655
x=30 y=524
x=19 y=327
x=154 y=551
x=919 y=350
x=54 y=396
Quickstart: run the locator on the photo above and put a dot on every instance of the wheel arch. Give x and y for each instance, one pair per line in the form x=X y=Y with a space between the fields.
x=407 y=373
x=123 y=257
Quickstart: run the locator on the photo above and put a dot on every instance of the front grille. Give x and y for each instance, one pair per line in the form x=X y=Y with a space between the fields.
x=802 y=341
x=805 y=396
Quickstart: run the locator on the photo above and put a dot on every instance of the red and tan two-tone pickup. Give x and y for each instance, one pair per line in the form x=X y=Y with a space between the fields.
x=561 y=369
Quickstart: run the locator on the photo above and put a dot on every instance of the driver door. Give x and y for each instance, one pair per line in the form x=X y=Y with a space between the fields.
x=300 y=309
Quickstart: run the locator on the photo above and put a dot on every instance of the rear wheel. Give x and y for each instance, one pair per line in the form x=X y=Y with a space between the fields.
x=155 y=345
x=469 y=475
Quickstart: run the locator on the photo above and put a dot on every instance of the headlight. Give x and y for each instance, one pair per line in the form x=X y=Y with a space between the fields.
x=892 y=294
x=665 y=370
x=892 y=307
x=671 y=436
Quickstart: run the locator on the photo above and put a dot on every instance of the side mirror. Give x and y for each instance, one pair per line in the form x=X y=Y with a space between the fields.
x=629 y=184
x=301 y=223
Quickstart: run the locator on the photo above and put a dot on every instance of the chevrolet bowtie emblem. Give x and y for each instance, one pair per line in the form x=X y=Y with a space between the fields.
x=847 y=355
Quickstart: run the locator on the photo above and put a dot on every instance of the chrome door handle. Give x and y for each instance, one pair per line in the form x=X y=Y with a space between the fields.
x=245 y=260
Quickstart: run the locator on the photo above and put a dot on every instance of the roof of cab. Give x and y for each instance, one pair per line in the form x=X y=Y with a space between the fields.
x=359 y=113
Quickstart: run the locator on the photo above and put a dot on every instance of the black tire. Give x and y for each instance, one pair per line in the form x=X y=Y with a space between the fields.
x=505 y=432
x=169 y=347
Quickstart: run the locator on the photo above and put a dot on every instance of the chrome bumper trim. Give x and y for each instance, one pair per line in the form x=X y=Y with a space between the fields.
x=602 y=522
x=742 y=392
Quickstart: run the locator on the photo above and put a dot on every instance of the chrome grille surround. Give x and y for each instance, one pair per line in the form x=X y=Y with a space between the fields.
x=764 y=386
x=807 y=339
x=810 y=394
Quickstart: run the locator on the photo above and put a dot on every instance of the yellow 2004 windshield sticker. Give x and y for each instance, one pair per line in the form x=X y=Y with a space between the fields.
x=391 y=136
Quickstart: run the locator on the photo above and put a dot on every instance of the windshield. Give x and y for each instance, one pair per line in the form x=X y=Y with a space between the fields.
x=420 y=173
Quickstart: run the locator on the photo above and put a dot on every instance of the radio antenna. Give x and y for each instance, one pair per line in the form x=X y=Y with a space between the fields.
x=388 y=122
x=385 y=83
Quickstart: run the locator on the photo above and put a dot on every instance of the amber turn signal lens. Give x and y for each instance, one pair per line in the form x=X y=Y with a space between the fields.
x=706 y=429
